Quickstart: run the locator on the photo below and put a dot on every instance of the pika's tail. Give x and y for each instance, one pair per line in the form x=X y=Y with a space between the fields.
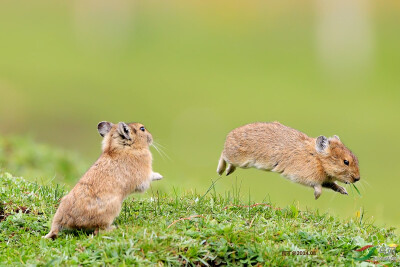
x=222 y=166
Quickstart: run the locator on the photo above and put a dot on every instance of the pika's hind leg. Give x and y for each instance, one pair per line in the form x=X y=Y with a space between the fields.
x=221 y=165
x=230 y=169
x=317 y=191
x=56 y=225
x=55 y=228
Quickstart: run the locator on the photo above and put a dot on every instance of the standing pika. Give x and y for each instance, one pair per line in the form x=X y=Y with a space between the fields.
x=315 y=162
x=123 y=167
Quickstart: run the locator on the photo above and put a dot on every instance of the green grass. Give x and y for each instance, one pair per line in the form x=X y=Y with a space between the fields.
x=219 y=230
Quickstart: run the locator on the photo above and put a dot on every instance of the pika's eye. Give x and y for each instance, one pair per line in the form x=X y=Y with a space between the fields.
x=142 y=129
x=346 y=162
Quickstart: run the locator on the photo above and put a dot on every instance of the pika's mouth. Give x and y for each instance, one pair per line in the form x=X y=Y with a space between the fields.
x=149 y=140
x=347 y=180
x=350 y=179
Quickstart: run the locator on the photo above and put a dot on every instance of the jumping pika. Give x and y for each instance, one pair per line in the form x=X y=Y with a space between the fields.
x=123 y=167
x=315 y=162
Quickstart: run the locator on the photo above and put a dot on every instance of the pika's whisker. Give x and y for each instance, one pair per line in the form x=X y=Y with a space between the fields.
x=158 y=151
x=362 y=186
x=160 y=147
x=365 y=181
x=158 y=144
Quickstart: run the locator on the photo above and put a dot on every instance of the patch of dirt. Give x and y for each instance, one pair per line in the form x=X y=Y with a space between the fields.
x=4 y=215
x=23 y=209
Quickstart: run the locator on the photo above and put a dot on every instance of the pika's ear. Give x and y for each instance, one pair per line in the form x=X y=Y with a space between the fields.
x=336 y=137
x=124 y=130
x=104 y=127
x=321 y=144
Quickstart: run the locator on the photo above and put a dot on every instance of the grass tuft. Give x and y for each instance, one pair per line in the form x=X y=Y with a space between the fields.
x=355 y=187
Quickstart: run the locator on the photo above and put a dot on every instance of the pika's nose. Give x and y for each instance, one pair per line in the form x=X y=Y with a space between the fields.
x=357 y=179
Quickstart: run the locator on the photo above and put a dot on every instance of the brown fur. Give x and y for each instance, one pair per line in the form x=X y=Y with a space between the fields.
x=123 y=167
x=313 y=162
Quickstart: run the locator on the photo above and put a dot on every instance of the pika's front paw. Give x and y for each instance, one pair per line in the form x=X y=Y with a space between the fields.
x=342 y=190
x=156 y=176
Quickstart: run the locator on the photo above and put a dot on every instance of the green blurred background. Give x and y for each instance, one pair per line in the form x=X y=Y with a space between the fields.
x=191 y=71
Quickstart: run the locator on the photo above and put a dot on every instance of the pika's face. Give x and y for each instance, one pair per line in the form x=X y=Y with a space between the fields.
x=339 y=162
x=140 y=134
x=122 y=135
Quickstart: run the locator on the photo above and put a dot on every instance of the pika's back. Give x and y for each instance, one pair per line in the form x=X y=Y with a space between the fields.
x=272 y=135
